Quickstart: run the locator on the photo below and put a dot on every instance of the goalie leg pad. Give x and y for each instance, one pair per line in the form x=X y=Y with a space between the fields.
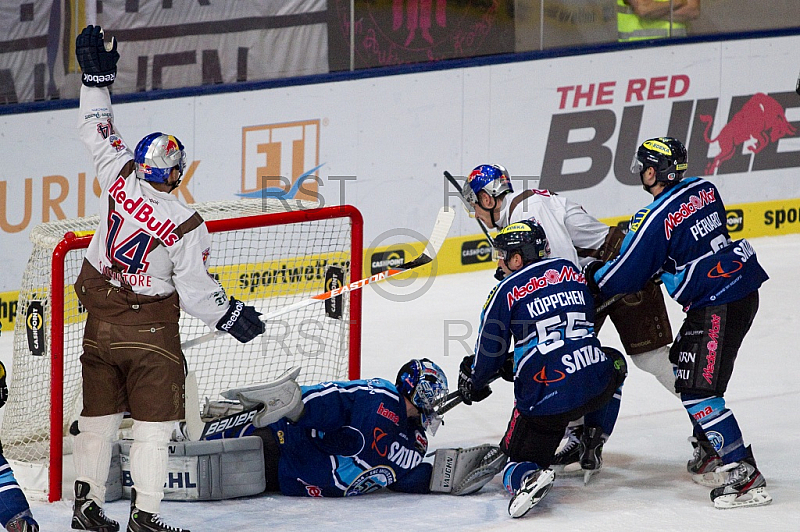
x=463 y=471
x=280 y=398
x=207 y=470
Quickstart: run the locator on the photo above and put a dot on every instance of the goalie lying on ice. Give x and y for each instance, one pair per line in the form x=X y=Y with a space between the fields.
x=355 y=437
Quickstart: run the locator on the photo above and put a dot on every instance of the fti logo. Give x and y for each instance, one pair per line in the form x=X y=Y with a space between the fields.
x=280 y=160
x=734 y=220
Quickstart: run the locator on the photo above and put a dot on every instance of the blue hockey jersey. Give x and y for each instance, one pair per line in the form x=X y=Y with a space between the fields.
x=547 y=310
x=682 y=236
x=354 y=438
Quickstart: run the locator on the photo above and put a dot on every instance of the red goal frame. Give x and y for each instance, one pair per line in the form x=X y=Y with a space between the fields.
x=72 y=242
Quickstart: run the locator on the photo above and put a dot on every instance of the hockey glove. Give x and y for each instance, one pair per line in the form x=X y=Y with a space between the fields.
x=98 y=60
x=3 y=386
x=499 y=274
x=241 y=321
x=465 y=384
x=506 y=371
x=588 y=272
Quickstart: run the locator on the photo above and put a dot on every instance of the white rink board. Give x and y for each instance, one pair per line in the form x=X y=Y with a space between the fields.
x=395 y=135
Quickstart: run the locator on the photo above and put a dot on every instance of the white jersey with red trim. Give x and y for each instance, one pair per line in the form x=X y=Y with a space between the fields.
x=567 y=225
x=147 y=240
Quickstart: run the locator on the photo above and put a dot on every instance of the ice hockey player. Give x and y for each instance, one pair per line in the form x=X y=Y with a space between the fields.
x=145 y=263
x=560 y=370
x=15 y=513
x=372 y=431
x=682 y=236
x=355 y=437
x=640 y=318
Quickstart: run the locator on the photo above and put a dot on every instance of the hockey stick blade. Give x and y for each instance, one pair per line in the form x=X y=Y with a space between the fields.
x=444 y=221
x=470 y=208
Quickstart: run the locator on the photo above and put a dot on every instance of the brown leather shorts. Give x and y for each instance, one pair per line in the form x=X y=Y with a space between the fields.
x=133 y=368
x=640 y=319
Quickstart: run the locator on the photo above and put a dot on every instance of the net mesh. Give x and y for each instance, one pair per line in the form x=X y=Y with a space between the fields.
x=268 y=267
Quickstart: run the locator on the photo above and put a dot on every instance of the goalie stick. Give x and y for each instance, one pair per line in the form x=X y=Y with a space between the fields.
x=441 y=228
x=469 y=207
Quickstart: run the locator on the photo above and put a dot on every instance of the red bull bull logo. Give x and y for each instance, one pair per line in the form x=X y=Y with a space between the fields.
x=172 y=145
x=761 y=119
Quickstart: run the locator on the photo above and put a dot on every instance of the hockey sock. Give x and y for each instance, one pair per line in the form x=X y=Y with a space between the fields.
x=605 y=417
x=92 y=455
x=149 y=462
x=515 y=472
x=13 y=501
x=719 y=425
x=656 y=363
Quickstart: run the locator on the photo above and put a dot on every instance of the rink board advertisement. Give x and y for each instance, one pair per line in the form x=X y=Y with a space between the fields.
x=570 y=124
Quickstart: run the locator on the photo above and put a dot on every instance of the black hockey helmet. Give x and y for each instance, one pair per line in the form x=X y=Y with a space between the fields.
x=666 y=154
x=526 y=238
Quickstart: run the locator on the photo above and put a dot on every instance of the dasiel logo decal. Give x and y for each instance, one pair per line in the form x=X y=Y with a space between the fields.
x=280 y=160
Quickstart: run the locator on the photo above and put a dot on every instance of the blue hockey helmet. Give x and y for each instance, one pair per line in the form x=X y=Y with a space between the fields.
x=667 y=155
x=156 y=155
x=424 y=383
x=491 y=178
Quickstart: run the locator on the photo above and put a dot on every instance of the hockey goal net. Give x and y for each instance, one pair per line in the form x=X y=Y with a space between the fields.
x=269 y=254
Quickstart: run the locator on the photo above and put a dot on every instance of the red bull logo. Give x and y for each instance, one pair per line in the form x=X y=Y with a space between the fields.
x=172 y=145
x=761 y=119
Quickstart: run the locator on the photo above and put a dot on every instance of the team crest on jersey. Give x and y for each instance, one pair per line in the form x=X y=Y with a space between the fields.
x=371 y=480
x=638 y=218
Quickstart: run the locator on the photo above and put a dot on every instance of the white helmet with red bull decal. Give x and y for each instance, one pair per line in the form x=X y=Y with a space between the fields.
x=156 y=155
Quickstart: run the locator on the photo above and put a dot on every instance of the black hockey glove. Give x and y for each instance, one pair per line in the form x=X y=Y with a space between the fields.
x=98 y=60
x=241 y=321
x=3 y=386
x=465 y=385
x=588 y=272
x=507 y=369
x=499 y=274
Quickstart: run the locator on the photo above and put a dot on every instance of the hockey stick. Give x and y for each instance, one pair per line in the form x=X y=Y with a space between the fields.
x=469 y=207
x=440 y=230
x=455 y=398
x=797 y=87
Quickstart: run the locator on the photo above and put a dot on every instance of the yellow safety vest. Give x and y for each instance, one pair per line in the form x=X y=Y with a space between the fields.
x=631 y=27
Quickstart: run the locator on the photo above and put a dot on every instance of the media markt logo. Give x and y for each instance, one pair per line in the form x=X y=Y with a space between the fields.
x=386 y=259
x=280 y=160
x=734 y=220
x=475 y=252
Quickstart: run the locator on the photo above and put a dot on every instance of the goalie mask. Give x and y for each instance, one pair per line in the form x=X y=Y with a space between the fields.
x=424 y=383
x=156 y=155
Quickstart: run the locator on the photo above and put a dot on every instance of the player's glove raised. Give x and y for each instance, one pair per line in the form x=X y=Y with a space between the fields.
x=98 y=60
x=241 y=321
x=466 y=386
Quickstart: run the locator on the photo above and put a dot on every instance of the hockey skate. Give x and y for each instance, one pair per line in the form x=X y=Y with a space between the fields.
x=141 y=521
x=744 y=485
x=566 y=460
x=704 y=463
x=591 y=458
x=23 y=523
x=533 y=490
x=87 y=514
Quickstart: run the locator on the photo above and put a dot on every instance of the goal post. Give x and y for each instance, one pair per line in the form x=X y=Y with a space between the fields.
x=263 y=253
